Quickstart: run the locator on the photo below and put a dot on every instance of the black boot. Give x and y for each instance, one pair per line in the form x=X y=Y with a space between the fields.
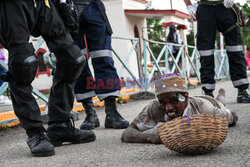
x=208 y=92
x=113 y=118
x=61 y=132
x=243 y=96
x=91 y=121
x=39 y=144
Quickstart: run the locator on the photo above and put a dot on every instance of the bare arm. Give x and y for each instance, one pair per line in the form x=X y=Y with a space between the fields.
x=133 y=135
x=143 y=128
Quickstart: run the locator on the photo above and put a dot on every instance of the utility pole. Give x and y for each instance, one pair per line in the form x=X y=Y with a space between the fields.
x=171 y=4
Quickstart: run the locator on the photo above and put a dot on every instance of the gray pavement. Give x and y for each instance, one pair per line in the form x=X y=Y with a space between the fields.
x=108 y=150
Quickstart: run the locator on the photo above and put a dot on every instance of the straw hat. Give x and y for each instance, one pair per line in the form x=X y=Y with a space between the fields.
x=171 y=82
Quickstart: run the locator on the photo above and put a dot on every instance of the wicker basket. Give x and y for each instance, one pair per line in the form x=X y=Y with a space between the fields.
x=195 y=134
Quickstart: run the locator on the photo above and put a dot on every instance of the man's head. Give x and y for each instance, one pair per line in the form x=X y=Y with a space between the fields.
x=172 y=94
x=172 y=27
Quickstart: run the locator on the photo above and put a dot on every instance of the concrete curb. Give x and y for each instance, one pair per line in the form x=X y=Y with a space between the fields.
x=9 y=119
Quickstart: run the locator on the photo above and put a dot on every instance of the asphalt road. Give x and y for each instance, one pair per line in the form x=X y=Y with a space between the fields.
x=108 y=150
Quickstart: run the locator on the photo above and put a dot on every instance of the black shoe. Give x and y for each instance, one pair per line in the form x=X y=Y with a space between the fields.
x=208 y=92
x=91 y=121
x=61 y=132
x=39 y=144
x=243 y=96
x=113 y=118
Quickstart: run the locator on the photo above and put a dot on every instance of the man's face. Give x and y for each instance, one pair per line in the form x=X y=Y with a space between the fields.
x=173 y=103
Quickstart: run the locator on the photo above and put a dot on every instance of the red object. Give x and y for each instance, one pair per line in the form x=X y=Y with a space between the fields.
x=181 y=27
x=158 y=13
x=86 y=44
x=143 y=1
x=39 y=71
x=248 y=59
x=165 y=25
x=1 y=47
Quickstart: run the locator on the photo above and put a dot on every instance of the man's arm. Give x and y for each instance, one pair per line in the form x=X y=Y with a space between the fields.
x=206 y=107
x=231 y=116
x=143 y=128
x=191 y=8
x=133 y=135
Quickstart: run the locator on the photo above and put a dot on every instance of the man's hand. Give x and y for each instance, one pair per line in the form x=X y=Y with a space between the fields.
x=155 y=139
x=228 y=3
x=235 y=119
x=69 y=15
x=192 y=10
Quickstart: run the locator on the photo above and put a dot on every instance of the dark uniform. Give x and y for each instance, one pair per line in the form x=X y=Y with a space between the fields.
x=94 y=23
x=18 y=20
x=213 y=15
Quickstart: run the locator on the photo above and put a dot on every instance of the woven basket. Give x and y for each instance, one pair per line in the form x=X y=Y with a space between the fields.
x=198 y=134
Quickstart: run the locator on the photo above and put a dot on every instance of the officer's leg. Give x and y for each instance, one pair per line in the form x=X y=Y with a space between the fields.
x=237 y=62
x=70 y=62
x=22 y=70
x=205 y=44
x=84 y=88
x=107 y=80
x=84 y=91
x=23 y=64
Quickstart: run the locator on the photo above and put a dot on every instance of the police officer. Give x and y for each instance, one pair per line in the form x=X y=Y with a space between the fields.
x=212 y=15
x=18 y=20
x=95 y=25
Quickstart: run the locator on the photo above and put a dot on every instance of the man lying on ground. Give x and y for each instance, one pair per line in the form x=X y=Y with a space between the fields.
x=172 y=102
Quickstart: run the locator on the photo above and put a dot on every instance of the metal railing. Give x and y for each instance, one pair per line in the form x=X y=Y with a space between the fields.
x=189 y=62
x=146 y=79
x=165 y=55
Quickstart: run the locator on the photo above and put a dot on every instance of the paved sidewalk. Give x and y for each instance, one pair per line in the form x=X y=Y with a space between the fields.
x=109 y=151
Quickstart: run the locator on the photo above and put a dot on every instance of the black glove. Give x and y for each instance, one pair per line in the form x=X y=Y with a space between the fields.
x=68 y=13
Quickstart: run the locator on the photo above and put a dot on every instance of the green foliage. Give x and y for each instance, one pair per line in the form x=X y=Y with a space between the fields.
x=149 y=5
x=46 y=94
x=121 y=100
x=156 y=32
x=2 y=128
x=190 y=38
x=246 y=30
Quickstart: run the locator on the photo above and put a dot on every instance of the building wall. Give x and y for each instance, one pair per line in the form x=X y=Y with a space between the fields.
x=141 y=24
x=43 y=81
x=166 y=5
x=172 y=18
x=133 y=4
x=123 y=26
